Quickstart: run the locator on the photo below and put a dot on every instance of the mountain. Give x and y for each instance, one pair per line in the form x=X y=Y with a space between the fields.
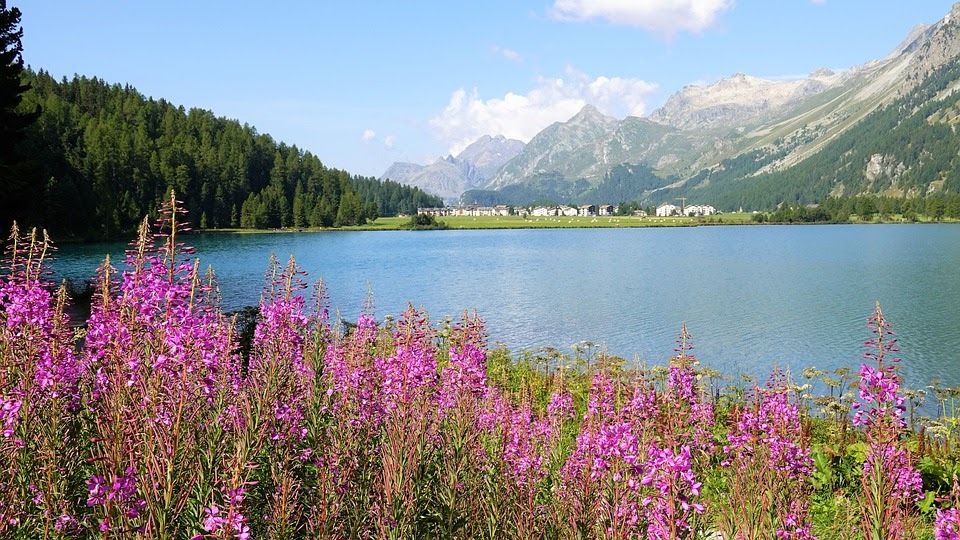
x=886 y=129
x=740 y=100
x=909 y=148
x=801 y=139
x=400 y=171
x=449 y=177
x=569 y=149
x=691 y=131
x=487 y=154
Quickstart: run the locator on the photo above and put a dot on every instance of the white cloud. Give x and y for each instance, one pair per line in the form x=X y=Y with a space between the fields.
x=389 y=141
x=665 y=17
x=508 y=54
x=521 y=116
x=368 y=135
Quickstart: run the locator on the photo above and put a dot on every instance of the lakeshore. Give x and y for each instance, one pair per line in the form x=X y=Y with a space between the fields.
x=400 y=223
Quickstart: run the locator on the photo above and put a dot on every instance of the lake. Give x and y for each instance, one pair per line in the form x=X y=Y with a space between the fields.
x=753 y=297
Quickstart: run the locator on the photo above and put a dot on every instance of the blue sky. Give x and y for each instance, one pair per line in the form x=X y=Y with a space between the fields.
x=364 y=83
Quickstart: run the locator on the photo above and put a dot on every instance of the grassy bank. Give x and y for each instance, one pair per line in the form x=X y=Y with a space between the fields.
x=517 y=222
x=577 y=222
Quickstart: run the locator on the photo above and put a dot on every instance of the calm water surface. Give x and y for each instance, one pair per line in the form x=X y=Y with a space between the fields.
x=753 y=297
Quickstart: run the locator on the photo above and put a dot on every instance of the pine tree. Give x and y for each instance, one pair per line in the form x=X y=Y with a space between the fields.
x=299 y=207
x=349 y=212
x=15 y=176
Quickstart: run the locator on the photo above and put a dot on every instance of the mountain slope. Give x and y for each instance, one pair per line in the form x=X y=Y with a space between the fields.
x=724 y=138
x=487 y=154
x=565 y=148
x=909 y=148
x=449 y=177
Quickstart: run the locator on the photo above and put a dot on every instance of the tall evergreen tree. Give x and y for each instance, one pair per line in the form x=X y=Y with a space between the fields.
x=15 y=176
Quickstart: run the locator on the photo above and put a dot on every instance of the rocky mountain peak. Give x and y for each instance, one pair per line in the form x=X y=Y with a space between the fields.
x=918 y=35
x=737 y=100
x=592 y=117
x=588 y=112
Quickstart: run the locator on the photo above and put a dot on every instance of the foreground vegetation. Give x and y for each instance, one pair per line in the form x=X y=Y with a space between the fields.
x=160 y=420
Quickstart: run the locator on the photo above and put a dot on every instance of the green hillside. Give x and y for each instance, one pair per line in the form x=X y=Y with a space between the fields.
x=907 y=149
x=101 y=156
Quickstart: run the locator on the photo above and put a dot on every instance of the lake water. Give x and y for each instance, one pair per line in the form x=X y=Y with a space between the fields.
x=753 y=297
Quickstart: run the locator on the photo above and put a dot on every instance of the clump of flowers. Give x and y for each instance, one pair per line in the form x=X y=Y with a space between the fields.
x=634 y=469
x=672 y=505
x=40 y=381
x=768 y=455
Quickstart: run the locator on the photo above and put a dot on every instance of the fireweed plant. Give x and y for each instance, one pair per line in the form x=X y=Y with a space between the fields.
x=891 y=483
x=149 y=422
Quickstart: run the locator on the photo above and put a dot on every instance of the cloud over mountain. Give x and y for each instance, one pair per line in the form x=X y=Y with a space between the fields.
x=468 y=116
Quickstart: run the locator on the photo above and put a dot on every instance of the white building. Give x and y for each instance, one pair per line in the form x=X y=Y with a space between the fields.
x=435 y=211
x=606 y=210
x=699 y=210
x=666 y=210
x=543 y=211
x=567 y=211
x=473 y=211
x=587 y=210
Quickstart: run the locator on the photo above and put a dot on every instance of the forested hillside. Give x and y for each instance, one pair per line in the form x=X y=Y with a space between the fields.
x=908 y=149
x=101 y=156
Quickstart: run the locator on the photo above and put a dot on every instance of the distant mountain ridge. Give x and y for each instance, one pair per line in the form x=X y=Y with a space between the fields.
x=487 y=154
x=450 y=176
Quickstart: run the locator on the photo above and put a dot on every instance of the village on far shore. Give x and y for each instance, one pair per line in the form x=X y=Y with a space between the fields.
x=584 y=210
